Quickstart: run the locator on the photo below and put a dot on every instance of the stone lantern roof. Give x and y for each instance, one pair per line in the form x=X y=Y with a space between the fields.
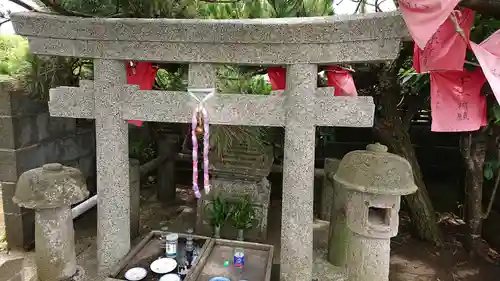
x=50 y=186
x=376 y=171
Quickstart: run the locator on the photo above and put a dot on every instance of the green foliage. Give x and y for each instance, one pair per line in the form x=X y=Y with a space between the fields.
x=141 y=151
x=132 y=8
x=235 y=81
x=13 y=54
x=173 y=81
x=490 y=167
x=47 y=72
x=218 y=211
x=243 y=213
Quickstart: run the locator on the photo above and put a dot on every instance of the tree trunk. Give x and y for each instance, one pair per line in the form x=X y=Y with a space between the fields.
x=473 y=148
x=422 y=212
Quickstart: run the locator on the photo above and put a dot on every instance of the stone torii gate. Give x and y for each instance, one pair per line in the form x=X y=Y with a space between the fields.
x=299 y=43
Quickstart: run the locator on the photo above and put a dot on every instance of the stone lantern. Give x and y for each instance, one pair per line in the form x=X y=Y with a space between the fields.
x=374 y=181
x=50 y=191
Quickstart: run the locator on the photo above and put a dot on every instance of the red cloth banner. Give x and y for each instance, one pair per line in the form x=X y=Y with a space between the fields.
x=341 y=79
x=424 y=17
x=446 y=49
x=488 y=55
x=142 y=74
x=277 y=77
x=456 y=101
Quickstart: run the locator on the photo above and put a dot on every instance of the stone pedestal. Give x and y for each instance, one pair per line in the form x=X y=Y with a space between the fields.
x=334 y=202
x=327 y=198
x=374 y=181
x=55 y=244
x=51 y=190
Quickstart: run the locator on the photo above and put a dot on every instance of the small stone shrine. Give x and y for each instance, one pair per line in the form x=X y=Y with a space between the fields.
x=240 y=171
x=299 y=43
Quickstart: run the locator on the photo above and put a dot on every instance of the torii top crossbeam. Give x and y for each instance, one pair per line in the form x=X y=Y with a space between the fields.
x=319 y=40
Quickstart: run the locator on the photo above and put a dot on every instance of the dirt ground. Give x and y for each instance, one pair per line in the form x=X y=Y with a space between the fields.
x=415 y=260
x=411 y=259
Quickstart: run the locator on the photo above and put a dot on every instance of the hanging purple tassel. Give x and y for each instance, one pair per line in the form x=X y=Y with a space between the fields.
x=206 y=149
x=194 y=139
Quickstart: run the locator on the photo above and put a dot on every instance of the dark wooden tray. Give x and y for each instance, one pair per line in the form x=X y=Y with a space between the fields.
x=258 y=262
x=150 y=249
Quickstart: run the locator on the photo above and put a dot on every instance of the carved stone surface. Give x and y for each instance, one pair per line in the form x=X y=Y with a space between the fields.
x=51 y=186
x=240 y=171
x=259 y=192
x=280 y=41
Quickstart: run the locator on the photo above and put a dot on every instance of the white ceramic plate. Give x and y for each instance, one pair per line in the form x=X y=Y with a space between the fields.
x=170 y=277
x=136 y=274
x=163 y=265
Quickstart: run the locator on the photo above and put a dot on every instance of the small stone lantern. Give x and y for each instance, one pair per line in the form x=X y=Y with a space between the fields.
x=374 y=181
x=51 y=190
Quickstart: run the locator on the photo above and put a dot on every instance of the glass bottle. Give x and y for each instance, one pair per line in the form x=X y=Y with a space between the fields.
x=171 y=245
x=189 y=247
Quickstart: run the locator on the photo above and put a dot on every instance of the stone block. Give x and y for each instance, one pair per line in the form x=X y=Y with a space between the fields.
x=25 y=131
x=20 y=231
x=50 y=150
x=42 y=123
x=85 y=140
x=15 y=102
x=259 y=193
x=11 y=268
x=19 y=222
x=327 y=190
x=59 y=127
x=8 y=165
x=70 y=149
x=8 y=192
x=6 y=132
x=86 y=164
x=28 y=158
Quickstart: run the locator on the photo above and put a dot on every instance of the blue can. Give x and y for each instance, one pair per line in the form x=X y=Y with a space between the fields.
x=239 y=258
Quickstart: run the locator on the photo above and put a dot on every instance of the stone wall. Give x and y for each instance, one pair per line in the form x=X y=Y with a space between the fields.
x=29 y=138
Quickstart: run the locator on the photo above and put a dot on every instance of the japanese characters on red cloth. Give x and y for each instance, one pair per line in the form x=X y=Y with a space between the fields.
x=456 y=101
x=341 y=79
x=488 y=55
x=142 y=74
x=277 y=77
x=424 y=17
x=446 y=49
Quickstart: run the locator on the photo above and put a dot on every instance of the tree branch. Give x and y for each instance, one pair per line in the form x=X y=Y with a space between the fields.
x=485 y=7
x=5 y=21
x=24 y=5
x=51 y=4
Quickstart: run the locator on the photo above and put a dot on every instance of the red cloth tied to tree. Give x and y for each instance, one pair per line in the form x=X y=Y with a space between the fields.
x=424 y=17
x=456 y=101
x=341 y=79
x=277 y=77
x=446 y=49
x=142 y=74
x=488 y=55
